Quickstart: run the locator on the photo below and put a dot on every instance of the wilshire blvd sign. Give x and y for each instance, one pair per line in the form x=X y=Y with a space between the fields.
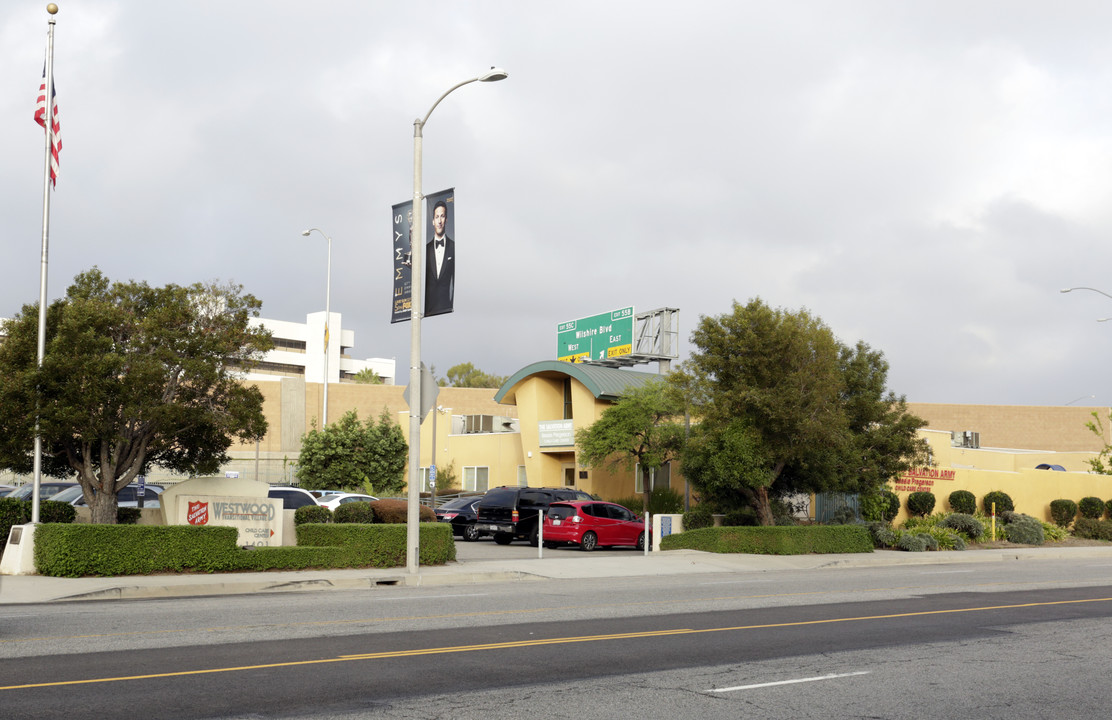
x=599 y=337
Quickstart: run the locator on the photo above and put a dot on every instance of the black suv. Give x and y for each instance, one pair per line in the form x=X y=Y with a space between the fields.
x=511 y=512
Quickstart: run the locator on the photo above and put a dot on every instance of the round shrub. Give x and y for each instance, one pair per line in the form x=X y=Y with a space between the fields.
x=699 y=517
x=1002 y=499
x=1026 y=530
x=1091 y=507
x=1108 y=507
x=1062 y=511
x=312 y=514
x=920 y=503
x=1093 y=529
x=963 y=501
x=968 y=525
x=354 y=512
x=124 y=515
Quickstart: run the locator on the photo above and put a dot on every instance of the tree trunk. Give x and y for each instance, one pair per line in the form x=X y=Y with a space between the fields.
x=104 y=508
x=763 y=507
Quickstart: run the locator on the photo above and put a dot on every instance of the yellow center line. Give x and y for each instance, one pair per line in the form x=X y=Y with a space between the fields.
x=546 y=641
x=495 y=613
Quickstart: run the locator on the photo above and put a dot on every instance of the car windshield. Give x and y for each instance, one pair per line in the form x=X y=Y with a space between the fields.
x=68 y=495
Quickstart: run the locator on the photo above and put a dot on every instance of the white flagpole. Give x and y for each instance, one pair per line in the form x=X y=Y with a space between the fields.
x=49 y=126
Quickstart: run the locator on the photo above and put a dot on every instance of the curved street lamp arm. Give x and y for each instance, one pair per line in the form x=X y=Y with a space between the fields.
x=1066 y=290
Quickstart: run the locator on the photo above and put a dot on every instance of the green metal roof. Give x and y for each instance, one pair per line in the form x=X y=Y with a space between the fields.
x=606 y=383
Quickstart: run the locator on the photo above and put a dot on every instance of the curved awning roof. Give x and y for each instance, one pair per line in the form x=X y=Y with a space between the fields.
x=606 y=383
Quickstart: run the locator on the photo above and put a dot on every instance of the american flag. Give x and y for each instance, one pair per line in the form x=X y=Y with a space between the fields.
x=40 y=118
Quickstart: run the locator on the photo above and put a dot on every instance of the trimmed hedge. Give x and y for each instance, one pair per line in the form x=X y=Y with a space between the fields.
x=311 y=514
x=698 y=517
x=920 y=503
x=108 y=550
x=1093 y=529
x=775 y=540
x=1091 y=507
x=963 y=501
x=355 y=512
x=1002 y=499
x=396 y=511
x=1063 y=511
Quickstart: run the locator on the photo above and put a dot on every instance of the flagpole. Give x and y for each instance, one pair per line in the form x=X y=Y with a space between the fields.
x=52 y=9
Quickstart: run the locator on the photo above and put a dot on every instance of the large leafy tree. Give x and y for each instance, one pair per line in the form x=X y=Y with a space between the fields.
x=640 y=428
x=133 y=376
x=466 y=375
x=798 y=411
x=349 y=455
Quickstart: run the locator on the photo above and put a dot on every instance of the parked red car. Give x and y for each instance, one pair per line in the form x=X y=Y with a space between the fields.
x=590 y=524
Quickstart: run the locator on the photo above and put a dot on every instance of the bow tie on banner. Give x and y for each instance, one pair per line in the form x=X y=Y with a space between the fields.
x=439 y=243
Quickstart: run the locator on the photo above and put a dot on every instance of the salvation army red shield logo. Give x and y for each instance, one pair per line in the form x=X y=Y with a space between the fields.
x=198 y=513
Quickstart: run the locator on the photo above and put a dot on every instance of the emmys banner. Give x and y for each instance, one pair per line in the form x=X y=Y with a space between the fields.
x=403 y=289
x=440 y=252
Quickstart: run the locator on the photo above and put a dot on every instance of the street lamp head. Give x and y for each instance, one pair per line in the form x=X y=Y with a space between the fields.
x=306 y=233
x=494 y=75
x=1065 y=289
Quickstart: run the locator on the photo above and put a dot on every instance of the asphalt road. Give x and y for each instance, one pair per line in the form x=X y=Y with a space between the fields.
x=1027 y=640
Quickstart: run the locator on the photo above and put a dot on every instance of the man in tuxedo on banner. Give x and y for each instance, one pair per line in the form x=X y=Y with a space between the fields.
x=440 y=265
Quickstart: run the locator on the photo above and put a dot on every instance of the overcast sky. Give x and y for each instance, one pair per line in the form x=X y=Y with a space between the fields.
x=923 y=176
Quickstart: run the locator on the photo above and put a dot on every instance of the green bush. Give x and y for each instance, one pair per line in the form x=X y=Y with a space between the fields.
x=1108 y=507
x=965 y=524
x=127 y=515
x=883 y=535
x=311 y=514
x=1091 y=507
x=697 y=517
x=381 y=545
x=1002 y=499
x=1093 y=529
x=1025 y=530
x=963 y=501
x=920 y=503
x=919 y=542
x=1054 y=533
x=1063 y=511
x=55 y=512
x=354 y=512
x=75 y=550
x=775 y=540
x=877 y=506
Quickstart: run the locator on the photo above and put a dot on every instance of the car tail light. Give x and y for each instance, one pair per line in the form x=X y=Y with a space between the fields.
x=514 y=516
x=448 y=515
x=576 y=519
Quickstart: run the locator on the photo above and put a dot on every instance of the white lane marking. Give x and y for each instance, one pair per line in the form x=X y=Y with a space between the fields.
x=789 y=682
x=735 y=582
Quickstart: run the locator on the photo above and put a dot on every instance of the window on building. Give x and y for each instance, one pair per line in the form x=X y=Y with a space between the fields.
x=567 y=398
x=476 y=478
x=522 y=480
x=659 y=478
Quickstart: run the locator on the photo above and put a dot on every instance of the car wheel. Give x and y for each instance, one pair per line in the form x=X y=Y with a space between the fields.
x=534 y=538
x=641 y=541
x=503 y=538
x=470 y=532
x=589 y=541
x=551 y=544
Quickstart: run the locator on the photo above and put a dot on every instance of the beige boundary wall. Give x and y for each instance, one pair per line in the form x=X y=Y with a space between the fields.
x=981 y=471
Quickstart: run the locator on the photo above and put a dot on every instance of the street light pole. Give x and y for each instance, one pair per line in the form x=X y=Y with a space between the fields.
x=327 y=319
x=416 y=302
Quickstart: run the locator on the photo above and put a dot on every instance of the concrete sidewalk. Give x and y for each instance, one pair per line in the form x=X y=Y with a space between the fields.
x=480 y=570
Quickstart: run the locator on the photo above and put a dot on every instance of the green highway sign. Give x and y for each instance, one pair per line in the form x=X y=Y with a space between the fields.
x=600 y=337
